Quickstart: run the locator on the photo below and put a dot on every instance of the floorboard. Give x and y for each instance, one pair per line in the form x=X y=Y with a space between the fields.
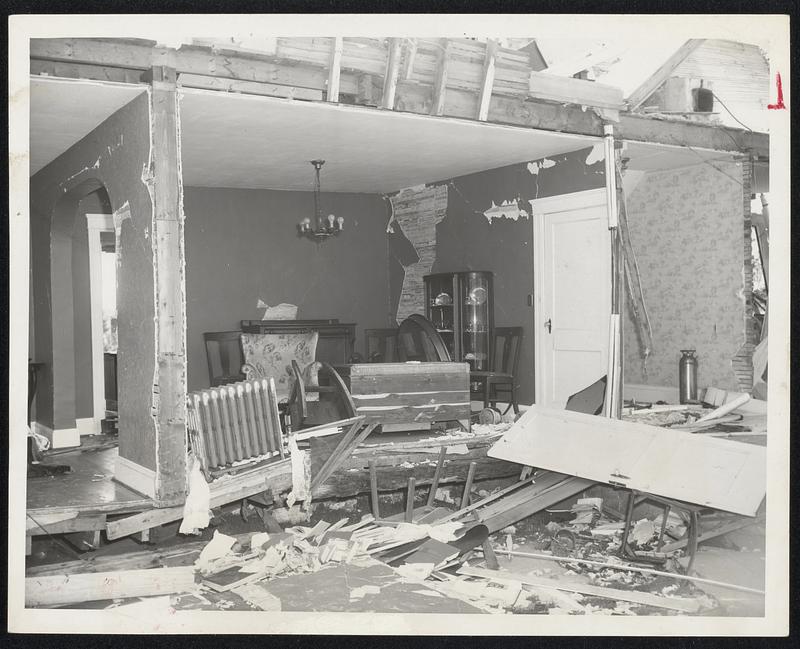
x=88 y=488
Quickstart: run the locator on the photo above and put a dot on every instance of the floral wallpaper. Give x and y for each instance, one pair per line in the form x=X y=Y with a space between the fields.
x=686 y=226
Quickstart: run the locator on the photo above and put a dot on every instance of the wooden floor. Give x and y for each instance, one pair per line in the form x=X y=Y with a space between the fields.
x=89 y=488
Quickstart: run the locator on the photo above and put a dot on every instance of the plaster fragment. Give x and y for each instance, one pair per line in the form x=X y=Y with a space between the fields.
x=545 y=163
x=597 y=154
x=507 y=210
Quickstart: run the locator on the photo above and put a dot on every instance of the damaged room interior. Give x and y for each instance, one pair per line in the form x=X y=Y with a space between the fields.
x=396 y=325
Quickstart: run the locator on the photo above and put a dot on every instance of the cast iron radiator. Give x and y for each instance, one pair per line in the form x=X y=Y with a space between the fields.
x=235 y=423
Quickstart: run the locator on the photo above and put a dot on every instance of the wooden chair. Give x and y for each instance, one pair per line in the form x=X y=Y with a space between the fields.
x=224 y=354
x=500 y=380
x=381 y=345
x=418 y=340
x=319 y=396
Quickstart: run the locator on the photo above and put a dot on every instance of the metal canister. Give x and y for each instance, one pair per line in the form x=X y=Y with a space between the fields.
x=687 y=376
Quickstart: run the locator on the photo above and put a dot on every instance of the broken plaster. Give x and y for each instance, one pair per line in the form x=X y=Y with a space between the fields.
x=597 y=154
x=544 y=163
x=506 y=210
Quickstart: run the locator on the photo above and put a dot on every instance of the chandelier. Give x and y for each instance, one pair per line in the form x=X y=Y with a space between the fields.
x=323 y=227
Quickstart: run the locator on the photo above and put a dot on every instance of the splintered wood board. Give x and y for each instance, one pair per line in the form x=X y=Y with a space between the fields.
x=717 y=473
x=55 y=590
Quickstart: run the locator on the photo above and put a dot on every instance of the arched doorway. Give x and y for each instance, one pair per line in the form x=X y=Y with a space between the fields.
x=72 y=410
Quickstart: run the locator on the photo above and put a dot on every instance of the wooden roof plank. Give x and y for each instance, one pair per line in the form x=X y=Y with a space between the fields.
x=638 y=96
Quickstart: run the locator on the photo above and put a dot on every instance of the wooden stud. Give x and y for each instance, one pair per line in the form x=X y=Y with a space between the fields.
x=440 y=87
x=373 y=483
x=392 y=73
x=411 y=54
x=168 y=261
x=410 y=500
x=488 y=79
x=468 y=484
x=437 y=474
x=335 y=69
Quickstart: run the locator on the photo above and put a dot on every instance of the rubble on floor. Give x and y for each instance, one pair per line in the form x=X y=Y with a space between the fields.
x=549 y=559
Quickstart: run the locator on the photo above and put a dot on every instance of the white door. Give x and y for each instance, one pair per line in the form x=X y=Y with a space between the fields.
x=572 y=288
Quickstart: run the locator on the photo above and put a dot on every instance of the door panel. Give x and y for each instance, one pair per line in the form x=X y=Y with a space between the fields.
x=717 y=473
x=574 y=294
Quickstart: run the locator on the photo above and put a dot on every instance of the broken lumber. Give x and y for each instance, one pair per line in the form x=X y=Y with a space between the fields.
x=625 y=567
x=276 y=476
x=684 y=605
x=725 y=408
x=711 y=534
x=55 y=590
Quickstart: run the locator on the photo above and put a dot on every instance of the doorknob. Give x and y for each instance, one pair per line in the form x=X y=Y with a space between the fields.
x=548 y=325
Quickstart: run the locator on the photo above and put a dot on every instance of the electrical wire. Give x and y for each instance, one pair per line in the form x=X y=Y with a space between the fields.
x=729 y=110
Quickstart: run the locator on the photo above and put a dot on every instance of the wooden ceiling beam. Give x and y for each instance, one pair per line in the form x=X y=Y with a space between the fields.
x=123 y=61
x=639 y=128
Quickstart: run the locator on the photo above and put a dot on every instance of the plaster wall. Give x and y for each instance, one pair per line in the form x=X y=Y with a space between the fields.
x=242 y=246
x=686 y=227
x=112 y=156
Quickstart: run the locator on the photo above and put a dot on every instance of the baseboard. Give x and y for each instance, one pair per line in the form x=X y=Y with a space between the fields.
x=650 y=393
x=59 y=438
x=88 y=426
x=136 y=476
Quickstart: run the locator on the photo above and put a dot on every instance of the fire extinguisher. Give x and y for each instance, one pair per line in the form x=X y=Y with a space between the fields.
x=687 y=376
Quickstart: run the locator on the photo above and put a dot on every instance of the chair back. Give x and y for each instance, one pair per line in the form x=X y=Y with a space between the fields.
x=271 y=355
x=418 y=340
x=224 y=355
x=381 y=345
x=507 y=344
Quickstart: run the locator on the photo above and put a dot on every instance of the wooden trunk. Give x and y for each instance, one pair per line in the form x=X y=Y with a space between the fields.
x=409 y=396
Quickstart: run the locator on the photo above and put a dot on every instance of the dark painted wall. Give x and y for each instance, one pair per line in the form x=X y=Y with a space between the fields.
x=242 y=246
x=112 y=156
x=467 y=241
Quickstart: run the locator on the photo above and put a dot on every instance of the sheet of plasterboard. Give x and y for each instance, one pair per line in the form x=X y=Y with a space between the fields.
x=717 y=473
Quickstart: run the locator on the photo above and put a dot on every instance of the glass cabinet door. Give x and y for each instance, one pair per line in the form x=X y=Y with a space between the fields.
x=440 y=306
x=475 y=303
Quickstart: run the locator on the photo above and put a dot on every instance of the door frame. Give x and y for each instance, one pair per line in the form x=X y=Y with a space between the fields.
x=539 y=207
x=95 y=224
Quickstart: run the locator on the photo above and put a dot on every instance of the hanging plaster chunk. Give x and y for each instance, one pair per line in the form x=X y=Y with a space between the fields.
x=506 y=210
x=596 y=154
